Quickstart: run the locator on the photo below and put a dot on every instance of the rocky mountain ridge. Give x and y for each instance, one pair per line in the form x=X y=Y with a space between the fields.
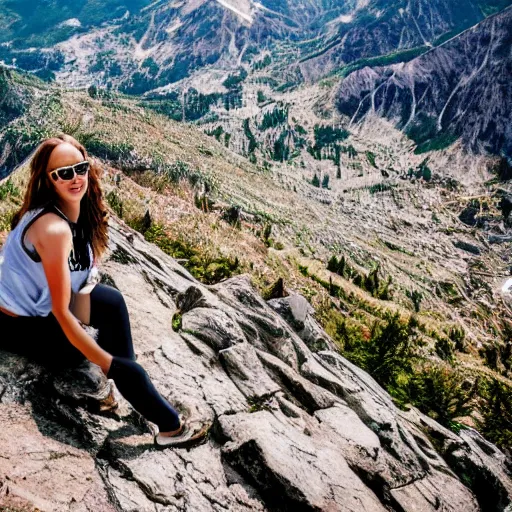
x=295 y=425
x=460 y=89
x=150 y=45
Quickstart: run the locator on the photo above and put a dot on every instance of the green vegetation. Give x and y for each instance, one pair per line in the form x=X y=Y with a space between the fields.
x=8 y=189
x=6 y=220
x=116 y=203
x=37 y=25
x=503 y=169
x=151 y=66
x=423 y=131
x=274 y=118
x=259 y=403
x=349 y=150
x=372 y=282
x=263 y=63
x=371 y=158
x=496 y=422
x=325 y=135
x=380 y=187
x=234 y=85
x=202 y=265
x=416 y=298
x=12 y=104
x=328 y=137
x=169 y=105
x=216 y=132
x=383 y=60
x=23 y=138
x=261 y=96
x=442 y=141
x=422 y=171
x=190 y=105
x=113 y=151
x=390 y=352
x=281 y=148
x=177 y=321
x=250 y=136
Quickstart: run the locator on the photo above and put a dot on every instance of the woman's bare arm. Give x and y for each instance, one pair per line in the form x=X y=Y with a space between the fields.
x=52 y=239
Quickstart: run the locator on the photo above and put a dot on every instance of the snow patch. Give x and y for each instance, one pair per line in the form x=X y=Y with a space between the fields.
x=72 y=22
x=244 y=15
x=175 y=25
x=345 y=18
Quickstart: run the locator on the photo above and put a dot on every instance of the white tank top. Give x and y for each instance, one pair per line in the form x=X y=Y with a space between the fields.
x=23 y=285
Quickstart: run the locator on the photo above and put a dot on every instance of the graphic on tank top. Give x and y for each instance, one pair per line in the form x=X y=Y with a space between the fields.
x=80 y=256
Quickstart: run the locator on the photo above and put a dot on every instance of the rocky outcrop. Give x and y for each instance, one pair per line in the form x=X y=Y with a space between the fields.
x=460 y=89
x=295 y=425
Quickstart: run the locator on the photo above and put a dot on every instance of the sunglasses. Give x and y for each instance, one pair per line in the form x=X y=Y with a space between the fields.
x=68 y=173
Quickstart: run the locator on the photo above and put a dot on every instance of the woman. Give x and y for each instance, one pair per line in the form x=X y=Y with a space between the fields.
x=57 y=235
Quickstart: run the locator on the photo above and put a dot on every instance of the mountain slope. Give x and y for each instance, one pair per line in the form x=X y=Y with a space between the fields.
x=410 y=243
x=139 y=46
x=461 y=89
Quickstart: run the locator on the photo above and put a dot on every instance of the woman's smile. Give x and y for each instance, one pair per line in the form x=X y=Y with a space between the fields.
x=77 y=188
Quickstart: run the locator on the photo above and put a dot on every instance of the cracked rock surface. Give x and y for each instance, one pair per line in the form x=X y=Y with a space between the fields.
x=295 y=425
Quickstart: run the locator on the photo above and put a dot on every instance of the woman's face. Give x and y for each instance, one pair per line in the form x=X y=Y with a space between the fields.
x=70 y=191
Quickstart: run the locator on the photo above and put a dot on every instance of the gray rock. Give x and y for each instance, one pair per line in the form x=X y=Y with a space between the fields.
x=466 y=246
x=279 y=459
x=295 y=425
x=297 y=311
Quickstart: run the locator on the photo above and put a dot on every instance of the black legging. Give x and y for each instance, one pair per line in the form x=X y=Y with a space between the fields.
x=42 y=339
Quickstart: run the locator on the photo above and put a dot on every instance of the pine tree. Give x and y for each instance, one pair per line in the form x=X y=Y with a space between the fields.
x=332 y=264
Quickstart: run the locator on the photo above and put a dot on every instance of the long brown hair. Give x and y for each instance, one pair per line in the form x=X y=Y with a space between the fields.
x=41 y=193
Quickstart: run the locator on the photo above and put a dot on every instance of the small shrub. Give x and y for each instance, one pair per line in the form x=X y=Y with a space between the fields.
x=267 y=230
x=6 y=220
x=200 y=263
x=371 y=158
x=304 y=270
x=119 y=255
x=177 y=321
x=503 y=169
x=496 y=422
x=275 y=290
x=115 y=202
x=259 y=403
x=441 y=392
x=389 y=354
x=9 y=189
x=457 y=335
x=232 y=216
x=444 y=349
x=416 y=298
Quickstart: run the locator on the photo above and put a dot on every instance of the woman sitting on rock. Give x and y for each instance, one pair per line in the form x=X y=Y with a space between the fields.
x=45 y=295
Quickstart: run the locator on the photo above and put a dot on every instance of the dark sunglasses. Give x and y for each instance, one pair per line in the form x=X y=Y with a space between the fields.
x=68 y=173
